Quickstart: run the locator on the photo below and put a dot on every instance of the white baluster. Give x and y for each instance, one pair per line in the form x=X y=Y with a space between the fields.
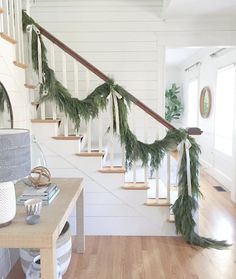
x=100 y=132
x=1 y=18
x=135 y=173
x=168 y=177
x=87 y=81
x=43 y=111
x=52 y=54
x=7 y=17
x=145 y=136
x=12 y=17
x=89 y=140
x=64 y=73
x=112 y=151
x=31 y=99
x=18 y=31
x=53 y=67
x=79 y=142
x=64 y=80
x=157 y=186
x=111 y=143
x=89 y=135
x=123 y=156
x=54 y=111
x=76 y=79
x=145 y=175
x=21 y=42
x=66 y=126
x=56 y=130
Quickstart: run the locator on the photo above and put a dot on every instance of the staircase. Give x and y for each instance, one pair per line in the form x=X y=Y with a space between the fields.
x=119 y=201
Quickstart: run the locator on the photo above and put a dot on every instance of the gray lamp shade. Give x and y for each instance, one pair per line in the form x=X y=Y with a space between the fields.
x=14 y=154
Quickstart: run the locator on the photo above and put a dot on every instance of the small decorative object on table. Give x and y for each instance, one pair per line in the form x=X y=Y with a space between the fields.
x=46 y=194
x=34 y=271
x=40 y=176
x=33 y=209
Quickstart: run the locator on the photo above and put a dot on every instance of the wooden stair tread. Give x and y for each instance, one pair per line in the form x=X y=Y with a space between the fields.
x=154 y=202
x=135 y=186
x=93 y=153
x=8 y=38
x=20 y=65
x=35 y=103
x=29 y=86
x=114 y=169
x=45 y=120
x=70 y=137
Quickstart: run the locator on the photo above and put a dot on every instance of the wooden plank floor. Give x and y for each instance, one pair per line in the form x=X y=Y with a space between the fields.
x=114 y=257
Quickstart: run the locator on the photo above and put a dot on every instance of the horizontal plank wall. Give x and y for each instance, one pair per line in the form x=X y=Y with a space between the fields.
x=109 y=35
x=13 y=79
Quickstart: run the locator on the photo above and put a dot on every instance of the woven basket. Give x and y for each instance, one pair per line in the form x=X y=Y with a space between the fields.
x=63 y=251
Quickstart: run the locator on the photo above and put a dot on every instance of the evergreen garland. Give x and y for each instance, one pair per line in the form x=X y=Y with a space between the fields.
x=152 y=154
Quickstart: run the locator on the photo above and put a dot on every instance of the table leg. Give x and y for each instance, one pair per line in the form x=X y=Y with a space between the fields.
x=48 y=263
x=80 y=223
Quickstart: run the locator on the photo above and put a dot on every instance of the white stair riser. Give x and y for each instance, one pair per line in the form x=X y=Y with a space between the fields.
x=44 y=131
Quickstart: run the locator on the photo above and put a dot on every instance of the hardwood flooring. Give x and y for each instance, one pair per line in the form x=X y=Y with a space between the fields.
x=114 y=257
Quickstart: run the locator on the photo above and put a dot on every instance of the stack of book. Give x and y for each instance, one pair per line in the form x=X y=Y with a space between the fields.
x=46 y=194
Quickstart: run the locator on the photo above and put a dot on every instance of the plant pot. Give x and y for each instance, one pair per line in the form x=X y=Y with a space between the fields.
x=63 y=251
x=34 y=270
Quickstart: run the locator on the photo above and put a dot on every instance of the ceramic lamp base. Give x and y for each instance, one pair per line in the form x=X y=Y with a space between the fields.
x=7 y=203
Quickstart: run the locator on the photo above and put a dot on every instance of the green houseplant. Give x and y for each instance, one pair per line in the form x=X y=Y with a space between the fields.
x=173 y=106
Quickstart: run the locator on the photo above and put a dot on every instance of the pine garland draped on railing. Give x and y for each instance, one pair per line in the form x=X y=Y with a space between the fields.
x=148 y=154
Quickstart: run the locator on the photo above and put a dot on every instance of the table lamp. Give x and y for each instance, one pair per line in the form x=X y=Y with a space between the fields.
x=14 y=164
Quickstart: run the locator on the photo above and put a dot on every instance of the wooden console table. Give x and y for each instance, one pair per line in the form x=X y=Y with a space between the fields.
x=53 y=217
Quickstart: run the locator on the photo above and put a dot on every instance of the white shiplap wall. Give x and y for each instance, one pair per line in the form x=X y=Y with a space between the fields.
x=110 y=35
x=13 y=79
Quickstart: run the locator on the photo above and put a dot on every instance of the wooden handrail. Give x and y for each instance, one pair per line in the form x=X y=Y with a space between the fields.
x=104 y=77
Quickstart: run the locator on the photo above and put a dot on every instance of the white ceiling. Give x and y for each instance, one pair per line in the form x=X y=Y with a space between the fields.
x=176 y=56
x=200 y=8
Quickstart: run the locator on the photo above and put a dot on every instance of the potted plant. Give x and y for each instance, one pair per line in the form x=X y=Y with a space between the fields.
x=173 y=105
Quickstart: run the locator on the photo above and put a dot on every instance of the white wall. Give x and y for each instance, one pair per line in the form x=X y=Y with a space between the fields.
x=173 y=75
x=109 y=34
x=13 y=79
x=215 y=162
